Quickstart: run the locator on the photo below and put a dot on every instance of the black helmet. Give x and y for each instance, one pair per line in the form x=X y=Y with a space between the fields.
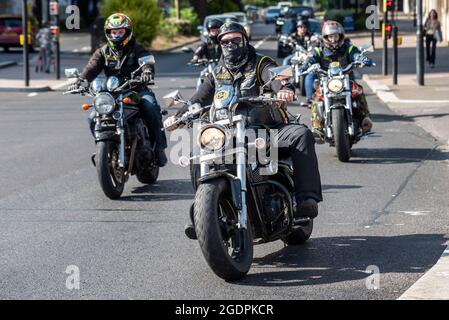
x=301 y=23
x=214 y=24
x=230 y=27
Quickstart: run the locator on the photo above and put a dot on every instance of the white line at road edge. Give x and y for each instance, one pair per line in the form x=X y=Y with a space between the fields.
x=434 y=284
x=32 y=94
x=258 y=44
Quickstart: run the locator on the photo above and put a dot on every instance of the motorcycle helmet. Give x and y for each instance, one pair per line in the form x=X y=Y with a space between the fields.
x=331 y=27
x=213 y=24
x=230 y=27
x=118 y=21
x=301 y=23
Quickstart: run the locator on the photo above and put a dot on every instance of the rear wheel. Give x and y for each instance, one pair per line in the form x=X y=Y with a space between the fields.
x=227 y=249
x=341 y=135
x=110 y=175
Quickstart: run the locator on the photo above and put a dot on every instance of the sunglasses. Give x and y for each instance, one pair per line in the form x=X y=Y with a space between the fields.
x=227 y=43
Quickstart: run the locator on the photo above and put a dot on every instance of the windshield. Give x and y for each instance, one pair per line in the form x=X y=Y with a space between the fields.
x=290 y=27
x=11 y=22
x=273 y=11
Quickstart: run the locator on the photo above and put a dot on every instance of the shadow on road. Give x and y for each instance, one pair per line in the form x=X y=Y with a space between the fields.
x=396 y=155
x=336 y=259
x=395 y=117
x=164 y=190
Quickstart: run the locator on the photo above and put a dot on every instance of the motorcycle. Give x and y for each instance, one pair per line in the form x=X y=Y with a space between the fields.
x=300 y=55
x=336 y=93
x=236 y=203
x=123 y=147
x=207 y=64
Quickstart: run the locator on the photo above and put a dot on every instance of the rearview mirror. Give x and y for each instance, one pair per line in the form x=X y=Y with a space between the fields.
x=147 y=60
x=367 y=48
x=187 y=50
x=281 y=72
x=72 y=73
x=173 y=99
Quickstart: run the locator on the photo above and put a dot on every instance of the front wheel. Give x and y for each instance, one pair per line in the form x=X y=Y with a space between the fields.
x=341 y=135
x=227 y=249
x=110 y=175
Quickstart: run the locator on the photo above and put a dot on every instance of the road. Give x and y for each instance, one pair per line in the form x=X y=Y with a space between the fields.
x=387 y=208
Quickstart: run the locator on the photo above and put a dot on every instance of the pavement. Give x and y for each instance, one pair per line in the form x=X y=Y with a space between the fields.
x=383 y=224
x=428 y=107
x=75 y=52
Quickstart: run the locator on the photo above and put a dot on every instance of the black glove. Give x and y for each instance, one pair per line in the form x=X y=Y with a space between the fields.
x=76 y=85
x=146 y=76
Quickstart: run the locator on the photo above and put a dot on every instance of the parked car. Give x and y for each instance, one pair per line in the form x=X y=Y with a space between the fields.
x=10 y=31
x=288 y=28
x=222 y=17
x=243 y=20
x=272 y=14
x=296 y=11
x=252 y=12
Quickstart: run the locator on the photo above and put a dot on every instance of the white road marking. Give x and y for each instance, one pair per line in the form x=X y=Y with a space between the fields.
x=32 y=94
x=258 y=44
x=416 y=213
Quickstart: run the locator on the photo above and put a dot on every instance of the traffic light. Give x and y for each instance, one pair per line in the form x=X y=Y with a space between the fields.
x=389 y=5
x=388 y=30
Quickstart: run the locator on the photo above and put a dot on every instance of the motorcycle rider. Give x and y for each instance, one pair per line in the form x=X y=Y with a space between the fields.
x=304 y=38
x=336 y=47
x=209 y=49
x=119 y=57
x=241 y=63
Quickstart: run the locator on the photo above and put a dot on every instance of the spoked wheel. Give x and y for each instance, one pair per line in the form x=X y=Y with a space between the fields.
x=110 y=175
x=227 y=249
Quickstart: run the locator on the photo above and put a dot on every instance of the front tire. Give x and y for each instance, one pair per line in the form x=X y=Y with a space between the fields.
x=341 y=135
x=215 y=224
x=110 y=176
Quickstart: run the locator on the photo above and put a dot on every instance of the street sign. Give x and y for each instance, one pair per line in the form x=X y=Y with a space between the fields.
x=53 y=8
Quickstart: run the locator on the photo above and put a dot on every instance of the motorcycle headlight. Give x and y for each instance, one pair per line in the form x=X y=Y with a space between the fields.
x=212 y=138
x=335 y=85
x=104 y=103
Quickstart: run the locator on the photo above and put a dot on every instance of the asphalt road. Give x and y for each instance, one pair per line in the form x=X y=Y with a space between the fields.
x=387 y=207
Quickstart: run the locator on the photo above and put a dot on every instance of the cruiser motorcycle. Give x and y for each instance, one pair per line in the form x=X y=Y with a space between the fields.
x=240 y=200
x=336 y=93
x=121 y=137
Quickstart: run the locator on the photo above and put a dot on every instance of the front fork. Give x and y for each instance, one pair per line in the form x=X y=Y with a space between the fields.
x=121 y=133
x=241 y=170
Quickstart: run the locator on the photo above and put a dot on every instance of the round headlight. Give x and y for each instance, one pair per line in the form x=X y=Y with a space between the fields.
x=212 y=139
x=97 y=85
x=335 y=86
x=104 y=103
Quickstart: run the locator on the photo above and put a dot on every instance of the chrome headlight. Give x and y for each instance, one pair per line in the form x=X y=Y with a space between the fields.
x=104 y=103
x=335 y=85
x=97 y=85
x=211 y=138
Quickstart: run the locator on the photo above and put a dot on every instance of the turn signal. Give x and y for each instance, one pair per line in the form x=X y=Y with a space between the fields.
x=85 y=106
x=127 y=100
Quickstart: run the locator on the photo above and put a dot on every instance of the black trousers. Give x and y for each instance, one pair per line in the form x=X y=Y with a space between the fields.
x=298 y=142
x=431 y=48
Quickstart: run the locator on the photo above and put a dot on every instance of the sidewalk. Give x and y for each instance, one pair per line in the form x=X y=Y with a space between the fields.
x=75 y=52
x=428 y=107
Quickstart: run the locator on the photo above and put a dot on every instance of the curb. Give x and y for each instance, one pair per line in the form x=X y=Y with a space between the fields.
x=433 y=285
x=7 y=64
x=26 y=89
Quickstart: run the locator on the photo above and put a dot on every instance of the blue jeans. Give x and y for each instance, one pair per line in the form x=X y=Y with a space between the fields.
x=150 y=112
x=287 y=60
x=310 y=78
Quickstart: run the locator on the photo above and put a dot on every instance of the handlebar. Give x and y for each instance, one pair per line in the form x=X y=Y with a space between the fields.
x=80 y=90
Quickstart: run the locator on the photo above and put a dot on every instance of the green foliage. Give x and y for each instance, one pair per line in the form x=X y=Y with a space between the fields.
x=221 y=6
x=169 y=28
x=190 y=16
x=146 y=16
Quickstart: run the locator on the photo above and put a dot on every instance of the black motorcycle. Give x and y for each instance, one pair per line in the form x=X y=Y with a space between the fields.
x=241 y=200
x=122 y=139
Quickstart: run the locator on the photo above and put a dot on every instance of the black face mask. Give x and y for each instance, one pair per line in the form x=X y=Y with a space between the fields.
x=235 y=55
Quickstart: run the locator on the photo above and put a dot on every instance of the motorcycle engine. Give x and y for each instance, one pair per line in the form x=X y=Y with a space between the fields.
x=274 y=208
